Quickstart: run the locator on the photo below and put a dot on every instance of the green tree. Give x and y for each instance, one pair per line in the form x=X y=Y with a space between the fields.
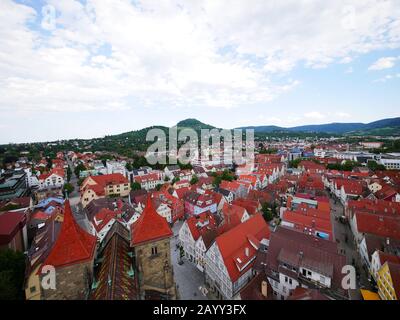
x=294 y=163
x=69 y=173
x=135 y=185
x=129 y=166
x=49 y=163
x=226 y=175
x=194 y=180
x=185 y=166
x=267 y=212
x=374 y=166
x=80 y=181
x=80 y=167
x=12 y=273
x=175 y=179
x=348 y=165
x=68 y=188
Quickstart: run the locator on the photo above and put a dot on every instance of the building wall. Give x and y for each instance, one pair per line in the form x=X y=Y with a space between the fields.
x=385 y=284
x=52 y=181
x=375 y=265
x=32 y=286
x=216 y=273
x=88 y=196
x=72 y=282
x=17 y=242
x=122 y=189
x=155 y=270
x=188 y=243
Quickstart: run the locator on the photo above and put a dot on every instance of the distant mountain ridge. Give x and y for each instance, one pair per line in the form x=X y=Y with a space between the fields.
x=334 y=128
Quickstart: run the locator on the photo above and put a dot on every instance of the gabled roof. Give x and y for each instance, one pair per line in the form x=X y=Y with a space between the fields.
x=251 y=206
x=231 y=211
x=10 y=223
x=307 y=223
x=109 y=179
x=73 y=244
x=307 y=294
x=394 y=269
x=150 y=226
x=116 y=279
x=236 y=248
x=305 y=251
x=380 y=225
x=200 y=224
x=386 y=192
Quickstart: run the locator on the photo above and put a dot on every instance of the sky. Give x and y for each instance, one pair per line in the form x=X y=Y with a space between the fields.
x=83 y=69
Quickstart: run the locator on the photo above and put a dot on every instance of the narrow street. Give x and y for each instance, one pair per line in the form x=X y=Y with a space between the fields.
x=188 y=278
x=345 y=240
x=74 y=196
x=74 y=199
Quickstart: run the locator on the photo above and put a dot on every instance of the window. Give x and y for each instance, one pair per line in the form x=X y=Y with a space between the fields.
x=33 y=289
x=154 y=251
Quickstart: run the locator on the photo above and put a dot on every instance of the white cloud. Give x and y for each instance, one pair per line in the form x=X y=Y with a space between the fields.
x=315 y=115
x=343 y=115
x=384 y=63
x=346 y=60
x=388 y=77
x=178 y=53
x=349 y=70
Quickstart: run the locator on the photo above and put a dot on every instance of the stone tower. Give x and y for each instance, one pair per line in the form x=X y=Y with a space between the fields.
x=72 y=257
x=150 y=238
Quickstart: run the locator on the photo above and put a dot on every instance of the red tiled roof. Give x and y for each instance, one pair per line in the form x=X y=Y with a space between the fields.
x=40 y=215
x=251 y=206
x=73 y=244
x=196 y=229
x=182 y=191
x=387 y=192
x=150 y=226
x=252 y=179
x=10 y=223
x=57 y=171
x=375 y=206
x=147 y=178
x=383 y=257
x=394 y=269
x=229 y=185
x=380 y=225
x=301 y=293
x=307 y=224
x=260 y=196
x=350 y=186
x=107 y=179
x=312 y=212
x=103 y=217
x=311 y=165
x=231 y=211
x=234 y=243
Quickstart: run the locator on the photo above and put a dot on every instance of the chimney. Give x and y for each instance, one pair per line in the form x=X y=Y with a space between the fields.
x=264 y=288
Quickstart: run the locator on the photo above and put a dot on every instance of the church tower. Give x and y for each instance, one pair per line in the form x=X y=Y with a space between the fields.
x=150 y=238
x=72 y=257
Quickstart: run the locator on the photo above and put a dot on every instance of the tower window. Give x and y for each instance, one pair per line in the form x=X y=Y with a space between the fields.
x=154 y=251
